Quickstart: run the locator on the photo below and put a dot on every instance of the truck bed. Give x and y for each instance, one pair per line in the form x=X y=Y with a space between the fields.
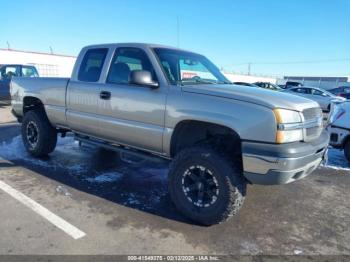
x=50 y=90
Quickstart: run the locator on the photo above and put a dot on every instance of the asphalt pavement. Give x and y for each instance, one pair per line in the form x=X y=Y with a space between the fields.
x=119 y=206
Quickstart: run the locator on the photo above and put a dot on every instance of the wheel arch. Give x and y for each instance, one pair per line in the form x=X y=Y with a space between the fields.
x=191 y=132
x=32 y=103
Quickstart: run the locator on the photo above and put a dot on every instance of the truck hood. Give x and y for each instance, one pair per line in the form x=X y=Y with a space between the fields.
x=260 y=96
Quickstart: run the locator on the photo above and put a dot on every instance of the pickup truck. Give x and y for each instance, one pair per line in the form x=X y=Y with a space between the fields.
x=7 y=72
x=175 y=104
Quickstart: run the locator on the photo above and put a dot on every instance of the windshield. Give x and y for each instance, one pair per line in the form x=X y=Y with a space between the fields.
x=183 y=68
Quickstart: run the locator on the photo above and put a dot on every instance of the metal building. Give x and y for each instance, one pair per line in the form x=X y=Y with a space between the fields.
x=51 y=65
x=318 y=81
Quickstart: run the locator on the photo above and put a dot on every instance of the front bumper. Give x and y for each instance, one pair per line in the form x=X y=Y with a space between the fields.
x=273 y=164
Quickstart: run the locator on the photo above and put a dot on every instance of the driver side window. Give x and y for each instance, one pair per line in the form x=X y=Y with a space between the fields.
x=125 y=61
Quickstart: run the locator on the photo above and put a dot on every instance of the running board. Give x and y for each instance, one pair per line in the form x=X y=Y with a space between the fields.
x=120 y=149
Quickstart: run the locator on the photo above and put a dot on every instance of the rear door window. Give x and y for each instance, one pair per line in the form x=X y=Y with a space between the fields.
x=91 y=66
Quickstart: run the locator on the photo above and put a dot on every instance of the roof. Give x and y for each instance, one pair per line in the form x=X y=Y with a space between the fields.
x=109 y=45
x=139 y=45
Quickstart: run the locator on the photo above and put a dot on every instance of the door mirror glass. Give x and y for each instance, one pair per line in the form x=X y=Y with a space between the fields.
x=142 y=78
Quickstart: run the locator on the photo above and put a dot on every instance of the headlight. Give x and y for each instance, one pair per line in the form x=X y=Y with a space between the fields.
x=289 y=126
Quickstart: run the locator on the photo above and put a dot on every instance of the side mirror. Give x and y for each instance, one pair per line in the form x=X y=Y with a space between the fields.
x=142 y=78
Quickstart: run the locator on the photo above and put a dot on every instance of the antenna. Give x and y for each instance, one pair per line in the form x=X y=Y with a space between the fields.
x=178 y=31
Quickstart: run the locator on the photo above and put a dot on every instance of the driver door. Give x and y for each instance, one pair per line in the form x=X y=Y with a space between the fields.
x=131 y=114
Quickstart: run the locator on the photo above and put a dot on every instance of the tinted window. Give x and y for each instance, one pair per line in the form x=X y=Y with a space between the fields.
x=91 y=66
x=300 y=90
x=125 y=61
x=9 y=71
x=317 y=92
x=29 y=71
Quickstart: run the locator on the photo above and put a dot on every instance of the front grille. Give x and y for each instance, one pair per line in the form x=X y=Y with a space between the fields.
x=312 y=113
x=312 y=131
x=313 y=123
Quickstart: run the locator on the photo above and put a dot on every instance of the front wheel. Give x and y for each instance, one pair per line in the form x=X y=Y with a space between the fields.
x=38 y=135
x=205 y=186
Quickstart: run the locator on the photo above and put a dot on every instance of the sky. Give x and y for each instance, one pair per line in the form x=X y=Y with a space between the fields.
x=289 y=37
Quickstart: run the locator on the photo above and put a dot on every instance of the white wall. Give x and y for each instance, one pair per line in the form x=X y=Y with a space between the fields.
x=46 y=64
x=249 y=78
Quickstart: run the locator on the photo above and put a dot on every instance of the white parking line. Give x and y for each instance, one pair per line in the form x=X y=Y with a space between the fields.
x=42 y=211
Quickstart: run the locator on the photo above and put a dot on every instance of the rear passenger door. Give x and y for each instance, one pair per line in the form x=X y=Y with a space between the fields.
x=132 y=114
x=83 y=93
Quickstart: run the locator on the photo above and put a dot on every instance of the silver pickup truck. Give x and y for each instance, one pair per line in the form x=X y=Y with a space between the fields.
x=170 y=103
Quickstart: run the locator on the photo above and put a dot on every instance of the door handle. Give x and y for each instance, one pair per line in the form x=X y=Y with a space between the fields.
x=105 y=95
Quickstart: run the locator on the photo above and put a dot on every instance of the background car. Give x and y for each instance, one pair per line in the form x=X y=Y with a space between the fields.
x=343 y=91
x=268 y=85
x=322 y=97
x=7 y=72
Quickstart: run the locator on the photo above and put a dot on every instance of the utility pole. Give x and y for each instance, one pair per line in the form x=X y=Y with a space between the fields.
x=249 y=68
x=8 y=45
x=178 y=31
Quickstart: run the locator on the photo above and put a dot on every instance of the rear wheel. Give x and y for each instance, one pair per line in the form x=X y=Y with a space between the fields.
x=206 y=186
x=38 y=135
x=347 y=150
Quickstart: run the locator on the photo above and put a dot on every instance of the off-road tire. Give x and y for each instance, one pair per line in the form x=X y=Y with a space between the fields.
x=347 y=150
x=231 y=184
x=47 y=134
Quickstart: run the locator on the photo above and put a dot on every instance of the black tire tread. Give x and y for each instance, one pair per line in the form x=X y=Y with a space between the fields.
x=48 y=134
x=233 y=178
